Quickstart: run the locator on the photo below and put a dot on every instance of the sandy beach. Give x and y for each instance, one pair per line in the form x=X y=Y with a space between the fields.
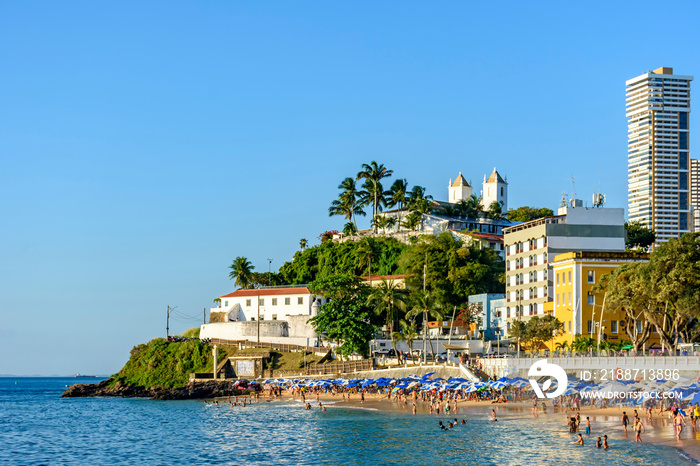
x=604 y=421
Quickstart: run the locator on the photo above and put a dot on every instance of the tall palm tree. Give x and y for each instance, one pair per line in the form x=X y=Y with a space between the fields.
x=364 y=250
x=303 y=243
x=242 y=272
x=373 y=173
x=398 y=194
x=388 y=297
x=349 y=202
x=425 y=303
x=419 y=201
x=410 y=333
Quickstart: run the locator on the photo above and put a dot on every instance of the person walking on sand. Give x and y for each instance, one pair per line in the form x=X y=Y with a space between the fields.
x=638 y=429
x=625 y=421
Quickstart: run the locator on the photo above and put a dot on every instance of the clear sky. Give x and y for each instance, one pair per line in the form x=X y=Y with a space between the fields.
x=145 y=145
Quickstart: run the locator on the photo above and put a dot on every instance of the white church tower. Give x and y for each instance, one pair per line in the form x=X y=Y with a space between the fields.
x=459 y=190
x=494 y=188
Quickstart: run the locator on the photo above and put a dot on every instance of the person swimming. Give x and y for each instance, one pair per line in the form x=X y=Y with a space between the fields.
x=605 y=443
x=598 y=443
x=579 y=441
x=493 y=415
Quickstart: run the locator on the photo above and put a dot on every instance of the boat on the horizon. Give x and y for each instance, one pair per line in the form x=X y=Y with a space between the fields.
x=81 y=375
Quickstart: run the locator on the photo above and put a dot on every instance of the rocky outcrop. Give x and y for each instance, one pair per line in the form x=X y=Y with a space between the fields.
x=192 y=390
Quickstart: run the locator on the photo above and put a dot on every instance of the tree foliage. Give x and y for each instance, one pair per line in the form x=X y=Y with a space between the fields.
x=639 y=236
x=346 y=319
x=453 y=271
x=331 y=258
x=525 y=213
x=664 y=294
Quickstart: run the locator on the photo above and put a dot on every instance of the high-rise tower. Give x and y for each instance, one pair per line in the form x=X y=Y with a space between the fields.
x=658 y=110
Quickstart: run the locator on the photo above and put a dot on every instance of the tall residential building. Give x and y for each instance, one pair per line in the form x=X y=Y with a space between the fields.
x=658 y=108
x=531 y=246
x=695 y=192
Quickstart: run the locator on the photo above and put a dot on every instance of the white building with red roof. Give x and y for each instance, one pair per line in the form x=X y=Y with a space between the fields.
x=277 y=314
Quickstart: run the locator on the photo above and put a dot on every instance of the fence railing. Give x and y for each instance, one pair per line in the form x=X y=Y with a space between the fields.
x=339 y=367
x=284 y=347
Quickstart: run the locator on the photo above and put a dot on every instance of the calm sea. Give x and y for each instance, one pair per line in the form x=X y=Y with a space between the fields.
x=38 y=427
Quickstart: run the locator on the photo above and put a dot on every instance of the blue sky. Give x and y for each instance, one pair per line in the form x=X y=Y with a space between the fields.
x=145 y=145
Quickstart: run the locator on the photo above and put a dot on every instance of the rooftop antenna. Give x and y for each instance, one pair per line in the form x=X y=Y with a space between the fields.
x=563 y=199
x=598 y=198
x=573 y=185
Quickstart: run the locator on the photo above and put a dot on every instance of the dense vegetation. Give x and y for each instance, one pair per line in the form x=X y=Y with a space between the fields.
x=380 y=254
x=665 y=291
x=160 y=363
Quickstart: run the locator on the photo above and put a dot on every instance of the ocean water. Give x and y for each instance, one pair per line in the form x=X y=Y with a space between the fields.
x=38 y=427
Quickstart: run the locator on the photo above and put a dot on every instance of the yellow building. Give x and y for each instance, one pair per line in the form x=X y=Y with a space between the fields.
x=581 y=311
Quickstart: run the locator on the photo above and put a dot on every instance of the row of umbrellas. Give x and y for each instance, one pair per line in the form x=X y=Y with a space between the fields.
x=690 y=391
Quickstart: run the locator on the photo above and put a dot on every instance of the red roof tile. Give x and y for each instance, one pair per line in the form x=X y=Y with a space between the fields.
x=268 y=292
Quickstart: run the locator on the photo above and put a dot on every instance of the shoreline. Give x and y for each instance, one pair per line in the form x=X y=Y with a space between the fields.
x=603 y=421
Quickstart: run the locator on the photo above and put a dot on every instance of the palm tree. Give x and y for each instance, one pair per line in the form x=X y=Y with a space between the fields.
x=349 y=203
x=418 y=201
x=365 y=249
x=410 y=334
x=387 y=297
x=242 y=272
x=495 y=211
x=303 y=243
x=395 y=338
x=474 y=206
x=349 y=229
x=413 y=220
x=425 y=304
x=373 y=173
x=398 y=194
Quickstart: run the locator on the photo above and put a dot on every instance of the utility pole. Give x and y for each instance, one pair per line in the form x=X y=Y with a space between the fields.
x=269 y=272
x=258 y=318
x=204 y=316
x=425 y=317
x=167 y=320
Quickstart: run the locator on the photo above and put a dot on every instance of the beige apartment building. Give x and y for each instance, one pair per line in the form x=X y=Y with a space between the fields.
x=531 y=246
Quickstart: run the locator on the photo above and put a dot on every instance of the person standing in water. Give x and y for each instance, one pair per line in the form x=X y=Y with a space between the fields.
x=638 y=429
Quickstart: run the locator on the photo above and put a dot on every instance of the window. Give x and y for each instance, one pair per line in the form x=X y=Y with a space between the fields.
x=591 y=299
x=247 y=302
x=613 y=326
x=225 y=303
x=591 y=276
x=570 y=301
x=557 y=300
x=252 y=318
x=300 y=300
x=274 y=302
x=569 y=326
x=569 y=277
x=557 y=279
x=287 y=301
x=590 y=326
x=640 y=327
x=274 y=316
x=261 y=302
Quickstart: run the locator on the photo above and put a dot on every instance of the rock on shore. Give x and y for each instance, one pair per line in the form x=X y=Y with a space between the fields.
x=192 y=390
